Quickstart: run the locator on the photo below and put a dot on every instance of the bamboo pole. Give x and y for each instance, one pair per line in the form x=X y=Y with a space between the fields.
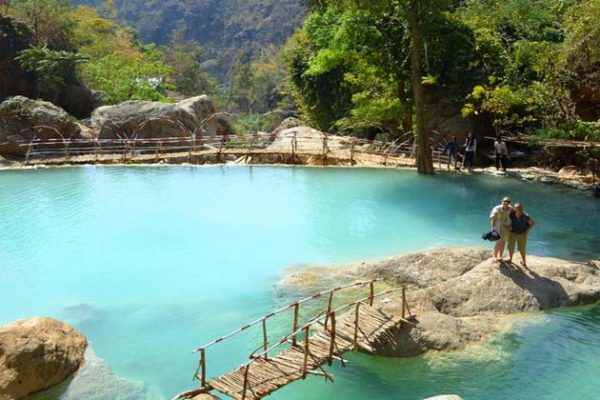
x=328 y=309
x=202 y=368
x=332 y=343
x=265 y=338
x=371 y=292
x=245 y=389
x=352 y=151
x=306 y=349
x=403 y=302
x=356 y=326
x=295 y=326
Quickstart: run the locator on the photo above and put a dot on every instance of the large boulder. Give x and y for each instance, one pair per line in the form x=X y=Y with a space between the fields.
x=308 y=140
x=23 y=119
x=459 y=295
x=36 y=354
x=148 y=119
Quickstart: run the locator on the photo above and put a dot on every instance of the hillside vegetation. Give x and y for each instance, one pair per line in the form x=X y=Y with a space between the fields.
x=223 y=28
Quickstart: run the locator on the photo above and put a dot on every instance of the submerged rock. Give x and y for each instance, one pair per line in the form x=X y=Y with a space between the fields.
x=36 y=354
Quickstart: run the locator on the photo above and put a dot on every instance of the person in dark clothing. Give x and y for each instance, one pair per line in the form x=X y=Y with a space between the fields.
x=520 y=224
x=452 y=151
x=470 y=149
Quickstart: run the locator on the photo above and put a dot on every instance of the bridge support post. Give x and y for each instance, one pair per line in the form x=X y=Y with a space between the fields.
x=202 y=368
x=245 y=389
x=372 y=292
x=356 y=326
x=306 y=349
x=295 y=326
x=328 y=310
x=265 y=338
x=332 y=343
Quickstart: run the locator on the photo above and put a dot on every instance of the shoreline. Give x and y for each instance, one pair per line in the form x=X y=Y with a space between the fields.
x=528 y=174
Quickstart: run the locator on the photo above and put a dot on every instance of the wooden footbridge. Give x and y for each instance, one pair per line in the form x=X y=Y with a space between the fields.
x=49 y=147
x=307 y=348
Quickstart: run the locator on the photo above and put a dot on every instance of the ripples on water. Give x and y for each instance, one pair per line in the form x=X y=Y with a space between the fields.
x=140 y=259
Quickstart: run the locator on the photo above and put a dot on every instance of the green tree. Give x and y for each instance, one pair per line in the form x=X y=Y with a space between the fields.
x=51 y=67
x=48 y=20
x=185 y=58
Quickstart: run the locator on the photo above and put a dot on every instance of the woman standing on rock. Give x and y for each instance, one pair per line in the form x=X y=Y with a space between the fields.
x=520 y=224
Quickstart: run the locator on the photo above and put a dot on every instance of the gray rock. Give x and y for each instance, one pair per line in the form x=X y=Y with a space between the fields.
x=36 y=354
x=23 y=119
x=460 y=295
x=147 y=119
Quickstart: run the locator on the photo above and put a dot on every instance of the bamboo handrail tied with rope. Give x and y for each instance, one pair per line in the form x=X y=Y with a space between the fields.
x=329 y=315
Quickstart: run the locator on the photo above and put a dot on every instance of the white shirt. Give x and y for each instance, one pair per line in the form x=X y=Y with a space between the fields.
x=500 y=148
x=503 y=216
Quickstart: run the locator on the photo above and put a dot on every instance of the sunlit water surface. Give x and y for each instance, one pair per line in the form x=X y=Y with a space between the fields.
x=150 y=263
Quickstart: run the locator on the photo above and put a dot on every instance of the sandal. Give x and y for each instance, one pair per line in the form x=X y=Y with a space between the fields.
x=523 y=264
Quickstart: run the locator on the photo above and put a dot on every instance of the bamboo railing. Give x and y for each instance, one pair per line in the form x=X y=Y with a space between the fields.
x=60 y=149
x=328 y=315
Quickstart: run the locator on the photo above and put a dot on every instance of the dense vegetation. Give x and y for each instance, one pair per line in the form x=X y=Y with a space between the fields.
x=528 y=66
x=224 y=28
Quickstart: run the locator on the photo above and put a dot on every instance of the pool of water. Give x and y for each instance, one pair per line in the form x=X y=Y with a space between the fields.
x=150 y=263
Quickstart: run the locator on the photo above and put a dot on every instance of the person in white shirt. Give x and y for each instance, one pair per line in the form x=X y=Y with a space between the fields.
x=501 y=152
x=500 y=220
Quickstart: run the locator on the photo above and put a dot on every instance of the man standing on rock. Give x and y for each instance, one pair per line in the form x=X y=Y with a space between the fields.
x=500 y=220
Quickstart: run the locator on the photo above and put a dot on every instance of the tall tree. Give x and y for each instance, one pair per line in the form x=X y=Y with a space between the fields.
x=416 y=12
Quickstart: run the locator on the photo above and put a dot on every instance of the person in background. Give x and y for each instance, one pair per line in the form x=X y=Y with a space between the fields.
x=500 y=220
x=452 y=150
x=470 y=149
x=501 y=152
x=520 y=224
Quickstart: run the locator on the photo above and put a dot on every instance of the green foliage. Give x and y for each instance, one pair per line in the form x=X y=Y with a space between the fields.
x=572 y=130
x=51 y=67
x=188 y=76
x=48 y=20
x=143 y=79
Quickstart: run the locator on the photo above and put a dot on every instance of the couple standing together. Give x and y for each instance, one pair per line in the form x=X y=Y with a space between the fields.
x=513 y=225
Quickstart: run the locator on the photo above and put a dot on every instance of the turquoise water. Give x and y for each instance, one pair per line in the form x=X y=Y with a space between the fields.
x=152 y=262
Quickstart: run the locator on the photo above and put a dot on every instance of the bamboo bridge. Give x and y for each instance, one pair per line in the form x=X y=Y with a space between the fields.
x=255 y=148
x=355 y=325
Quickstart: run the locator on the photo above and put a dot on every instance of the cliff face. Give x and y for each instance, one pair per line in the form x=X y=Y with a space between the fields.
x=15 y=37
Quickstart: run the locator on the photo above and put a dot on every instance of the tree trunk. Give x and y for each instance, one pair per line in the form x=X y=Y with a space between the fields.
x=406 y=122
x=424 y=161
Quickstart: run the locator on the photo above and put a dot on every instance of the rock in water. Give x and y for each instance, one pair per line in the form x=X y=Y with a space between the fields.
x=149 y=119
x=36 y=354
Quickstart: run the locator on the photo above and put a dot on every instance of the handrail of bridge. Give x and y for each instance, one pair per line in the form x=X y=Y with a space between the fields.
x=329 y=315
x=66 y=147
x=294 y=305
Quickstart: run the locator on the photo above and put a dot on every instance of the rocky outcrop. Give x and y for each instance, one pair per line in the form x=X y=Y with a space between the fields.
x=147 y=119
x=23 y=119
x=36 y=354
x=460 y=295
x=15 y=36
x=308 y=140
